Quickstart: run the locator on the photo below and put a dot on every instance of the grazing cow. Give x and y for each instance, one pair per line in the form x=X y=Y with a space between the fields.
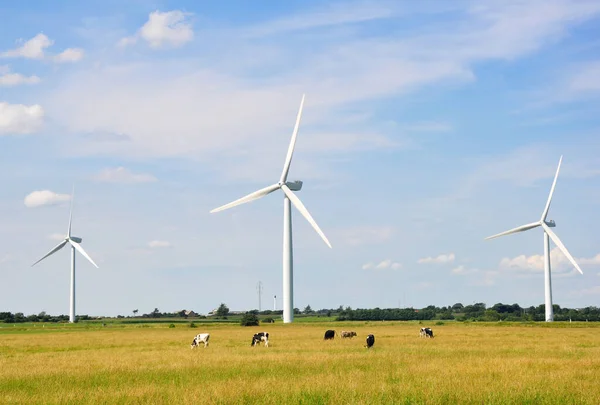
x=201 y=338
x=426 y=332
x=329 y=334
x=260 y=337
x=348 y=334
x=370 y=341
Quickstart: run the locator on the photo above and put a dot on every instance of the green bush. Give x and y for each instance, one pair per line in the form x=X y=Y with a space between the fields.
x=249 y=319
x=193 y=325
x=268 y=320
x=172 y=325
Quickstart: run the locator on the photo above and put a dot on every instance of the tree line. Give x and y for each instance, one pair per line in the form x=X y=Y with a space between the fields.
x=459 y=312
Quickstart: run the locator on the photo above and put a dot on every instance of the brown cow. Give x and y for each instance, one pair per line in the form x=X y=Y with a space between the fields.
x=348 y=334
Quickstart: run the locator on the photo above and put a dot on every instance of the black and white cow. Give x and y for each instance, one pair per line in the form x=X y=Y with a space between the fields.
x=201 y=338
x=348 y=334
x=329 y=334
x=260 y=337
x=426 y=332
x=370 y=341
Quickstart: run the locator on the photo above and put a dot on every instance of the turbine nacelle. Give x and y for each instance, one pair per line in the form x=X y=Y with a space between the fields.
x=551 y=223
x=295 y=185
x=76 y=239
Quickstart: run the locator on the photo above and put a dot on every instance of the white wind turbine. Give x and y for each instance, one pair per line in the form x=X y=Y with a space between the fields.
x=74 y=241
x=287 y=188
x=548 y=234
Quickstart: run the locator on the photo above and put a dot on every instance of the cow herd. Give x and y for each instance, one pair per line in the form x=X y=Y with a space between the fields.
x=261 y=337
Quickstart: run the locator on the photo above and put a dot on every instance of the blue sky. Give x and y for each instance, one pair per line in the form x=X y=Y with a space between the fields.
x=427 y=127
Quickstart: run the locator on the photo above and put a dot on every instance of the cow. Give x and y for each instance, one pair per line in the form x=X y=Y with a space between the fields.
x=201 y=338
x=260 y=337
x=370 y=341
x=348 y=334
x=426 y=332
x=329 y=334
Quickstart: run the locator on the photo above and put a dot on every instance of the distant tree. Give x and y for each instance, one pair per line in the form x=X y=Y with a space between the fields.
x=155 y=313
x=297 y=311
x=223 y=310
x=308 y=309
x=249 y=319
x=457 y=307
x=135 y=311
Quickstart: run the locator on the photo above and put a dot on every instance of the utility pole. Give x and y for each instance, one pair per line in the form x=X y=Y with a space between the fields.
x=259 y=290
x=274 y=303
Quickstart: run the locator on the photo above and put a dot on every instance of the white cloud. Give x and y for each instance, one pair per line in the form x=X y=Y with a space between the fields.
x=45 y=197
x=463 y=270
x=385 y=264
x=449 y=258
x=8 y=79
x=168 y=28
x=32 y=49
x=56 y=236
x=123 y=175
x=19 y=118
x=69 y=55
x=558 y=262
x=157 y=244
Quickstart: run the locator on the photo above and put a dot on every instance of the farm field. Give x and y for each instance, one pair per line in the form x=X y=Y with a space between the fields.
x=470 y=363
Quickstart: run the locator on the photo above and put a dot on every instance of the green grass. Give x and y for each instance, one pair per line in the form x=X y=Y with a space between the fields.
x=474 y=363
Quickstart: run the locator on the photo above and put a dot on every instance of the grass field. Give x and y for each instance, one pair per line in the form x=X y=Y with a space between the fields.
x=476 y=363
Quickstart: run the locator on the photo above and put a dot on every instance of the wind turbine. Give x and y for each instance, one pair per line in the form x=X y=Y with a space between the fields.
x=74 y=241
x=548 y=234
x=288 y=188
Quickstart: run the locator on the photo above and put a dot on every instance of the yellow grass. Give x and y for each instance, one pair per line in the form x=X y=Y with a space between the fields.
x=463 y=364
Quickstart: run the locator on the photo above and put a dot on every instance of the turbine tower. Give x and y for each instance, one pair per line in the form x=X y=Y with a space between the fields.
x=288 y=188
x=74 y=241
x=548 y=234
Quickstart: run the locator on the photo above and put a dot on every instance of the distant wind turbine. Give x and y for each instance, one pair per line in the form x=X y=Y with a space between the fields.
x=287 y=188
x=74 y=241
x=548 y=234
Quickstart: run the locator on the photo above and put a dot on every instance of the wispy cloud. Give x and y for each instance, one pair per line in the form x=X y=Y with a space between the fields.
x=443 y=258
x=335 y=71
x=158 y=244
x=123 y=175
x=384 y=264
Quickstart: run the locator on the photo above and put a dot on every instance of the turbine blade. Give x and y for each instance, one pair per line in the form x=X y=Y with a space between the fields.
x=298 y=204
x=560 y=245
x=288 y=159
x=54 y=250
x=547 y=208
x=71 y=212
x=78 y=247
x=250 y=197
x=515 y=230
